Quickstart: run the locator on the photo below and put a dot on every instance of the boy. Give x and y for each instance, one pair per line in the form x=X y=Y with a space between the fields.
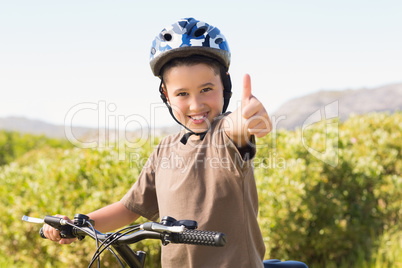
x=204 y=173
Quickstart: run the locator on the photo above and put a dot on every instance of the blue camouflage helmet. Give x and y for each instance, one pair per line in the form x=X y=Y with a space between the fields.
x=187 y=37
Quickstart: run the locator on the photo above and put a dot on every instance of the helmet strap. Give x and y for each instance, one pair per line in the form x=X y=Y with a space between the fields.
x=227 y=89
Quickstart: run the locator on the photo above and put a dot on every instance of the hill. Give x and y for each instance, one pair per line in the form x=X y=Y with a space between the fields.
x=38 y=127
x=295 y=112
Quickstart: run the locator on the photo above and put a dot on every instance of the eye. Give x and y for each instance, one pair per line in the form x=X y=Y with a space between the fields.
x=206 y=89
x=182 y=94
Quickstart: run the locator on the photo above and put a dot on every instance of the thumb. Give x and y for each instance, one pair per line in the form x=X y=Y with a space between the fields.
x=246 y=90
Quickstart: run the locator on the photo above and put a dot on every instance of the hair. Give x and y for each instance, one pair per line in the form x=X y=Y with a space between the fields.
x=192 y=60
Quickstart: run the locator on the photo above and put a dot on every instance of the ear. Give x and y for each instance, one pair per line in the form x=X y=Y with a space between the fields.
x=164 y=94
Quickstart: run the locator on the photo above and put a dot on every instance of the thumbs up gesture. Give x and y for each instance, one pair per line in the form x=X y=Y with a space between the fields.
x=257 y=119
x=250 y=119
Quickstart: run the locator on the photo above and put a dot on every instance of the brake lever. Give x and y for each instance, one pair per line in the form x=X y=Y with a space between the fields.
x=32 y=219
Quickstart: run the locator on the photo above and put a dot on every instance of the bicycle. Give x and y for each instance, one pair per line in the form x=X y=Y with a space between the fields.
x=169 y=230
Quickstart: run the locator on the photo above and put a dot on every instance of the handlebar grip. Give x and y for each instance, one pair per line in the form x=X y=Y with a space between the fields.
x=66 y=231
x=42 y=234
x=198 y=237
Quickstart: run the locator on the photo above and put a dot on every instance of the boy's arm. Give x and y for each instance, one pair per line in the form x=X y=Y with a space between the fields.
x=112 y=217
x=250 y=119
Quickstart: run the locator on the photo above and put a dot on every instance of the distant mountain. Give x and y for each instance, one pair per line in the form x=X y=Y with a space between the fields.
x=290 y=115
x=295 y=112
x=38 y=127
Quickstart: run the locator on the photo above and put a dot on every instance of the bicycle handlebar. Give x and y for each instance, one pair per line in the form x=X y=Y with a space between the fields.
x=168 y=231
x=150 y=230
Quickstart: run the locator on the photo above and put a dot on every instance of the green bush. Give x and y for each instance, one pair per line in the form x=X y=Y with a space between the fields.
x=14 y=144
x=61 y=181
x=332 y=215
x=343 y=214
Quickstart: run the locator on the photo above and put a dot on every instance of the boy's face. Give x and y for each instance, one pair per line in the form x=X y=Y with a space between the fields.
x=196 y=95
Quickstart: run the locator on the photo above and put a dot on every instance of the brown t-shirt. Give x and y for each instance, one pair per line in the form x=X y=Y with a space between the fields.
x=207 y=181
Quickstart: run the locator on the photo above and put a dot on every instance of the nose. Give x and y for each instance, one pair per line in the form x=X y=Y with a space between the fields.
x=196 y=104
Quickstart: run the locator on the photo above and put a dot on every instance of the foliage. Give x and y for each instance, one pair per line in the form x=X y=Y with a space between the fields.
x=343 y=214
x=323 y=214
x=14 y=144
x=61 y=181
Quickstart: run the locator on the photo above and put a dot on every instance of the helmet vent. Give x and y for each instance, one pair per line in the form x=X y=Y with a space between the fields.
x=218 y=41
x=167 y=37
x=200 y=31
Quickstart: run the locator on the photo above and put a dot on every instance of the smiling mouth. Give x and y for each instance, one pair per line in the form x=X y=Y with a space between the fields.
x=198 y=119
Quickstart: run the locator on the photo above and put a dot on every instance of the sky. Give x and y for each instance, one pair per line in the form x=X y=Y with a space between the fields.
x=85 y=63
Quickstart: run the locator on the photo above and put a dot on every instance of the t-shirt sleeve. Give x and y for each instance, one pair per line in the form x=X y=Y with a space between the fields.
x=141 y=198
x=248 y=152
x=242 y=158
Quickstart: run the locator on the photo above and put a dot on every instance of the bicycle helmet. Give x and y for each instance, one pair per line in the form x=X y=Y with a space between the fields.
x=188 y=37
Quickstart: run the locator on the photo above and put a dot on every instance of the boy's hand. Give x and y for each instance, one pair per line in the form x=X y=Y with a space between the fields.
x=54 y=235
x=257 y=119
x=250 y=119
